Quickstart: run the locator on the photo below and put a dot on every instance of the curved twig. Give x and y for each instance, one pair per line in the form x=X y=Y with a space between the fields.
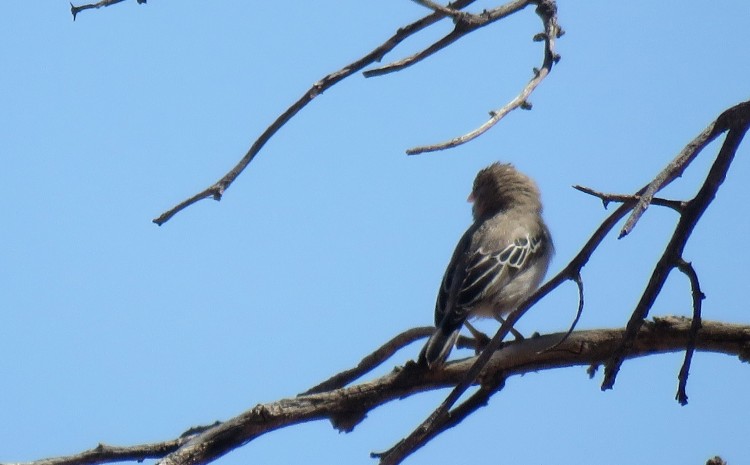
x=216 y=191
x=373 y=360
x=465 y=24
x=579 y=282
x=74 y=10
x=380 y=355
x=698 y=296
x=547 y=10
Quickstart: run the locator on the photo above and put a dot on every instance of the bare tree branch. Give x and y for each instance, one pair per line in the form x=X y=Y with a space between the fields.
x=216 y=190
x=476 y=401
x=675 y=205
x=579 y=282
x=729 y=119
x=455 y=14
x=382 y=354
x=346 y=407
x=74 y=10
x=103 y=453
x=465 y=23
x=373 y=360
x=547 y=11
x=735 y=121
x=698 y=296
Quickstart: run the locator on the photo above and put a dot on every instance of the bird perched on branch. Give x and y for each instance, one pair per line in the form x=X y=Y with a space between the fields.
x=500 y=260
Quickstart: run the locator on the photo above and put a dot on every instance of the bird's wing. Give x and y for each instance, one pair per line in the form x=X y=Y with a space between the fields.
x=454 y=271
x=487 y=269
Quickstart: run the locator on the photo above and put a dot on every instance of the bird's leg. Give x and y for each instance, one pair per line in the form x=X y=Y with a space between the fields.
x=517 y=335
x=480 y=337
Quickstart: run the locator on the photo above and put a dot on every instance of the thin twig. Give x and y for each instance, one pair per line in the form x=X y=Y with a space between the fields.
x=380 y=355
x=675 y=205
x=216 y=191
x=476 y=401
x=698 y=296
x=439 y=8
x=547 y=10
x=579 y=282
x=74 y=10
x=671 y=172
x=465 y=24
x=372 y=360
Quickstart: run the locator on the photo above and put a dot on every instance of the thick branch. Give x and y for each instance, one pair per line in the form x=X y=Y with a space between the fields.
x=346 y=407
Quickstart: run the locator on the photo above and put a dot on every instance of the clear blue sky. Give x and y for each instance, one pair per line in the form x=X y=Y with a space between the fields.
x=115 y=330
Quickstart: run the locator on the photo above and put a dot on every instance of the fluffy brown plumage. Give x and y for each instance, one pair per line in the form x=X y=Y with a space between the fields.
x=498 y=262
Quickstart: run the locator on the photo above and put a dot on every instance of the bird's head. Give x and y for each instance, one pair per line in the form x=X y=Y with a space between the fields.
x=500 y=187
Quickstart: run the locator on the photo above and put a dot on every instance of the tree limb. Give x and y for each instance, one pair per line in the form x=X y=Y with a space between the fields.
x=346 y=407
x=735 y=121
x=547 y=11
x=216 y=191
x=74 y=10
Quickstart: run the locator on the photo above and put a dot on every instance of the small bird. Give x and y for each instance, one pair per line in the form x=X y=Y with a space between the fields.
x=499 y=261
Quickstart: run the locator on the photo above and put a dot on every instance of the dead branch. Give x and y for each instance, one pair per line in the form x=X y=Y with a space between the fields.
x=346 y=407
x=466 y=23
x=74 y=10
x=734 y=120
x=216 y=191
x=547 y=11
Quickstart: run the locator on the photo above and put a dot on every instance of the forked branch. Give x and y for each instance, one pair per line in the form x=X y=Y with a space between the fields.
x=465 y=24
x=734 y=120
x=346 y=407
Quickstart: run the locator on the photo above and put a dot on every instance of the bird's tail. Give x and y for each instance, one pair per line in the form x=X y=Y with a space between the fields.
x=438 y=347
